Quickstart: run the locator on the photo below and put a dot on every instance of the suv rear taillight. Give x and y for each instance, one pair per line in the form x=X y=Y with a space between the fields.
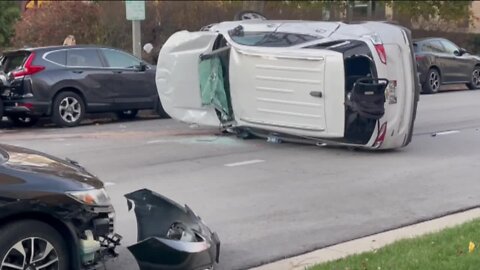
x=382 y=132
x=419 y=57
x=28 y=68
x=381 y=53
x=378 y=44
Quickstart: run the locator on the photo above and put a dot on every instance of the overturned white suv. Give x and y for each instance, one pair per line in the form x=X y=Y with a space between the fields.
x=327 y=83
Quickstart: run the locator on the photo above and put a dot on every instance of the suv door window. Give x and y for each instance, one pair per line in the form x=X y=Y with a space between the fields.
x=434 y=46
x=83 y=58
x=57 y=57
x=118 y=59
x=449 y=46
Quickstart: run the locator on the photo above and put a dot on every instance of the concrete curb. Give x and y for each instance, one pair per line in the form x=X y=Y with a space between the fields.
x=370 y=243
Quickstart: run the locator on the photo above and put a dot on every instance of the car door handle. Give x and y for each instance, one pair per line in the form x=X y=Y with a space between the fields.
x=77 y=71
x=117 y=71
x=316 y=94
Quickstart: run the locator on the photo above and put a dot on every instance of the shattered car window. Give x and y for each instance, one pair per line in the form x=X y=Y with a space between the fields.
x=13 y=62
x=271 y=39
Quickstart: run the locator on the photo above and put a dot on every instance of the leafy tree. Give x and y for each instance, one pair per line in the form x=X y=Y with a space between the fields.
x=53 y=21
x=450 y=11
x=9 y=13
x=446 y=12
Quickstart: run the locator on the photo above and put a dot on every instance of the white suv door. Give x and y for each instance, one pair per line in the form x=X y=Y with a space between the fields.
x=299 y=91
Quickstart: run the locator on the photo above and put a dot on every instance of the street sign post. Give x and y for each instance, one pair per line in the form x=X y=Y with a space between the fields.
x=135 y=10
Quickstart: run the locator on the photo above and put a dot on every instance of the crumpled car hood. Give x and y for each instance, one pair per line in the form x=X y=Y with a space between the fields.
x=170 y=236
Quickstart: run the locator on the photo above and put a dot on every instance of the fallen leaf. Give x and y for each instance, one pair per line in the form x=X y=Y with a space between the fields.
x=471 y=247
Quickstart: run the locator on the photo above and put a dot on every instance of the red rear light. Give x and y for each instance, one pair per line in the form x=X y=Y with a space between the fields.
x=381 y=53
x=26 y=105
x=419 y=57
x=382 y=132
x=28 y=68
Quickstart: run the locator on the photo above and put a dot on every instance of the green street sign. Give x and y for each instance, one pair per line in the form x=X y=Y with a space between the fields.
x=135 y=10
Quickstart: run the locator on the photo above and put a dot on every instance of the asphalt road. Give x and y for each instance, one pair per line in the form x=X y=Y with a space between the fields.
x=293 y=198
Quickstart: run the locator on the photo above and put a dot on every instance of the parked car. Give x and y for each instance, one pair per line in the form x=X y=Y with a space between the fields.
x=326 y=83
x=54 y=215
x=441 y=61
x=66 y=82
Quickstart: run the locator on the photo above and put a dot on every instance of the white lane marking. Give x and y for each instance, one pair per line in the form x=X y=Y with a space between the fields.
x=247 y=162
x=109 y=184
x=155 y=141
x=448 y=132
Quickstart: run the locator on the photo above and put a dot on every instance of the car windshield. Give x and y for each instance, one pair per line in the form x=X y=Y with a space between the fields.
x=270 y=39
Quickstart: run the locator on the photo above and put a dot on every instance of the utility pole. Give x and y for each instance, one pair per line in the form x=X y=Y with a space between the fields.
x=349 y=11
x=135 y=11
x=136 y=38
x=369 y=9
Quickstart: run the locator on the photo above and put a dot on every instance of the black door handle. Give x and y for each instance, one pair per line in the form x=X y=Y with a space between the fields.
x=316 y=94
x=77 y=71
x=117 y=71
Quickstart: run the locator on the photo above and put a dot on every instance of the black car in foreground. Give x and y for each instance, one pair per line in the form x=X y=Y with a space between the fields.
x=54 y=215
x=440 y=62
x=66 y=82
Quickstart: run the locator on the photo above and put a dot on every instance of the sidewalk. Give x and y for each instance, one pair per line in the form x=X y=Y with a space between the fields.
x=370 y=243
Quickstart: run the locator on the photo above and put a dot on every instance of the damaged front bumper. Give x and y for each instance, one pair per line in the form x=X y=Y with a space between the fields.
x=170 y=236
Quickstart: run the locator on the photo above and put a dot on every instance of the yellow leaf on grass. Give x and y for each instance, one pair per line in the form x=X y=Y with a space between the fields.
x=471 y=247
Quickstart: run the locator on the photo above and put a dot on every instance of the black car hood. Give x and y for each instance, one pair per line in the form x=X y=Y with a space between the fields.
x=171 y=236
x=61 y=173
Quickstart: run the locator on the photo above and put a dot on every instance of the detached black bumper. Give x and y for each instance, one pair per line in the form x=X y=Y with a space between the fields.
x=171 y=236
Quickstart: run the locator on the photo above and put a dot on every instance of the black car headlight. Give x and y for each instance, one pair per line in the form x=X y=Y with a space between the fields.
x=93 y=197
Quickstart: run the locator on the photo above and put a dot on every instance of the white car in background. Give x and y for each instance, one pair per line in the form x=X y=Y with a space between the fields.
x=326 y=83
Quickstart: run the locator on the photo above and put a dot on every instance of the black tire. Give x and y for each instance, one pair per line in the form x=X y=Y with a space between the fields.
x=24 y=121
x=65 y=111
x=127 y=114
x=474 y=79
x=25 y=230
x=243 y=134
x=249 y=15
x=432 y=82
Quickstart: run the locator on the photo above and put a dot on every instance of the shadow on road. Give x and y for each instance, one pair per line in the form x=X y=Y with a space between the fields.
x=90 y=120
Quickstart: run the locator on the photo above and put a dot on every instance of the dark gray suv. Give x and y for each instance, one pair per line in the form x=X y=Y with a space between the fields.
x=65 y=83
x=440 y=61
